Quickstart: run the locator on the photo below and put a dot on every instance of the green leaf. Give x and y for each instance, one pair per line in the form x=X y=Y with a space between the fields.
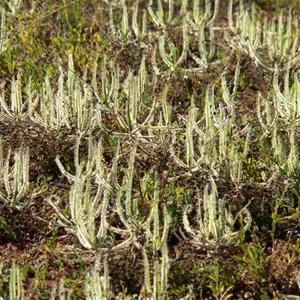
x=290 y=218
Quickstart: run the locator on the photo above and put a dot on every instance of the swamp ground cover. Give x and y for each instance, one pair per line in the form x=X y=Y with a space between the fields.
x=149 y=149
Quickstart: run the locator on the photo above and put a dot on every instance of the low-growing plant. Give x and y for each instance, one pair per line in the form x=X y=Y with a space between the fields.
x=96 y=285
x=255 y=261
x=218 y=286
x=214 y=221
x=3 y=33
x=16 y=289
x=86 y=206
x=253 y=36
x=15 y=179
x=173 y=128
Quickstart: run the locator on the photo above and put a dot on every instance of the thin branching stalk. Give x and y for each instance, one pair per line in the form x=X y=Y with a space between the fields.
x=16 y=290
x=14 y=5
x=229 y=97
x=122 y=32
x=254 y=36
x=126 y=205
x=60 y=292
x=215 y=221
x=267 y=114
x=69 y=106
x=16 y=179
x=87 y=205
x=1 y=159
x=159 y=17
x=3 y=33
x=205 y=53
x=287 y=102
x=293 y=158
x=109 y=85
x=19 y=107
x=139 y=33
x=172 y=59
x=166 y=109
x=157 y=241
x=203 y=18
x=193 y=160
x=96 y=285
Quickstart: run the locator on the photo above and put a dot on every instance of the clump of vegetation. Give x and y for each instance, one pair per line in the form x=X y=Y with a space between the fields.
x=149 y=149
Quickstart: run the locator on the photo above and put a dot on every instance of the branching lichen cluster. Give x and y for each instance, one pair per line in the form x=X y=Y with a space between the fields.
x=121 y=119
